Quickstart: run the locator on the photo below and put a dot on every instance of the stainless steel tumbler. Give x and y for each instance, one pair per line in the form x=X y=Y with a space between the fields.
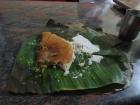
x=130 y=25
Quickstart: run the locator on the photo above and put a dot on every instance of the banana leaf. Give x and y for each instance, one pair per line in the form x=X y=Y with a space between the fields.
x=27 y=77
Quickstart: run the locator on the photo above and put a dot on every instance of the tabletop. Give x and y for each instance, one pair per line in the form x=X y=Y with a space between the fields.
x=19 y=19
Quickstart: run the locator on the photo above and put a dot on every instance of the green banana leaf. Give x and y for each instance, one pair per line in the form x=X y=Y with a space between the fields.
x=26 y=76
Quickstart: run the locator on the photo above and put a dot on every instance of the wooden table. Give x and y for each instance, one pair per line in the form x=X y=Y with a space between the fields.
x=19 y=19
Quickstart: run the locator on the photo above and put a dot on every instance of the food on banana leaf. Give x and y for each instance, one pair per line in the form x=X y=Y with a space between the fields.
x=58 y=51
x=88 y=70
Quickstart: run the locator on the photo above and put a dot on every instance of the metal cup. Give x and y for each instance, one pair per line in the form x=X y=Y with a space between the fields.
x=130 y=25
